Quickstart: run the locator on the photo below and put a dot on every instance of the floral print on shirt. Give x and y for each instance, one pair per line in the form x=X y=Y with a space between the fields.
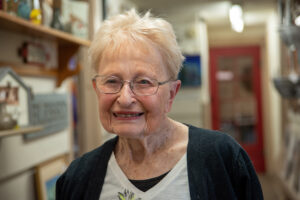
x=127 y=195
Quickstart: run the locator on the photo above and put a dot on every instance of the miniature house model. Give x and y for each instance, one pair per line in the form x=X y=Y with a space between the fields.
x=15 y=94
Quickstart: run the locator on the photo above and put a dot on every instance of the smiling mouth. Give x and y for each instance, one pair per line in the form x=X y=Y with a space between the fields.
x=127 y=115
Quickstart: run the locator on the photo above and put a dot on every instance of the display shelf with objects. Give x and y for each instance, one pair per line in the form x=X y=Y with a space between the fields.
x=288 y=87
x=67 y=45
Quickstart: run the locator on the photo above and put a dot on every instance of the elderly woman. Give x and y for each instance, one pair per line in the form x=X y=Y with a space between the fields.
x=137 y=61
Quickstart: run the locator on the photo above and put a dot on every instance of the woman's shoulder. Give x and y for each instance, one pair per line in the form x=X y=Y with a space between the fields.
x=209 y=142
x=208 y=136
x=85 y=173
x=85 y=164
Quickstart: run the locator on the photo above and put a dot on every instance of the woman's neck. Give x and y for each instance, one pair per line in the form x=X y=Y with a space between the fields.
x=145 y=147
x=152 y=155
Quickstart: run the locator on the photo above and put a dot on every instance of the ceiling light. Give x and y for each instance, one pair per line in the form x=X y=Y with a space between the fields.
x=236 y=18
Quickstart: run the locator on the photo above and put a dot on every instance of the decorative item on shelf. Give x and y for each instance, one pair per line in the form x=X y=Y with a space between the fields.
x=6 y=119
x=289 y=31
x=56 y=19
x=78 y=27
x=75 y=18
x=51 y=111
x=10 y=6
x=24 y=9
x=290 y=35
x=50 y=50
x=36 y=14
x=16 y=95
x=287 y=88
x=33 y=53
x=47 y=12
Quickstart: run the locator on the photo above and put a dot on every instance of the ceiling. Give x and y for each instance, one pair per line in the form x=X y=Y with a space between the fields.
x=214 y=12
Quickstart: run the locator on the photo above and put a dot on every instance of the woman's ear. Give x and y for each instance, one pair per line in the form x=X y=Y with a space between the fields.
x=174 y=88
x=95 y=87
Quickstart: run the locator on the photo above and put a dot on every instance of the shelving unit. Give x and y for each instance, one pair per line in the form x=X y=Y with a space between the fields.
x=20 y=131
x=31 y=70
x=67 y=44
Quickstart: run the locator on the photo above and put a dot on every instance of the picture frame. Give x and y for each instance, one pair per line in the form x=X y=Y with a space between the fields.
x=46 y=176
x=190 y=75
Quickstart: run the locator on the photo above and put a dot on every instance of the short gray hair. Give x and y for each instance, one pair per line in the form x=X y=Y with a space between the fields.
x=146 y=29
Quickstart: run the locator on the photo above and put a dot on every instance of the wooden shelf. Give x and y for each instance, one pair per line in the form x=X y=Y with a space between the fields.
x=17 y=24
x=67 y=44
x=20 y=131
x=30 y=70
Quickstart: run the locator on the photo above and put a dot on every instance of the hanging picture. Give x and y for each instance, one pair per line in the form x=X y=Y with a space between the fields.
x=46 y=176
x=190 y=75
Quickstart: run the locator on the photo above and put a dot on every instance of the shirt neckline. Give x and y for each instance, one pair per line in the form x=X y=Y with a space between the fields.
x=174 y=172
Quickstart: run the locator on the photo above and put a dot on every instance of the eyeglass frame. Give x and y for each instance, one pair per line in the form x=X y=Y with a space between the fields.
x=130 y=83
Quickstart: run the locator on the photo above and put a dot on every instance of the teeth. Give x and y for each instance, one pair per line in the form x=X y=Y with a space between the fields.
x=127 y=115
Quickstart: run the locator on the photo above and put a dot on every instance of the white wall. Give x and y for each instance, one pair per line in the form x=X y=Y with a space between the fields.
x=191 y=104
x=272 y=103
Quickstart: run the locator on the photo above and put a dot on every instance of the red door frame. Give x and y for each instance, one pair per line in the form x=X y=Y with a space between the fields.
x=255 y=151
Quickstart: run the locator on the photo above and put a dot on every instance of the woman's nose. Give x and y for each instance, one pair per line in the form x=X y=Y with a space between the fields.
x=125 y=97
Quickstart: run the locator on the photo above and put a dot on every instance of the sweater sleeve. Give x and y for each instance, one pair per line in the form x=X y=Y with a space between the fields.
x=59 y=184
x=246 y=184
x=64 y=185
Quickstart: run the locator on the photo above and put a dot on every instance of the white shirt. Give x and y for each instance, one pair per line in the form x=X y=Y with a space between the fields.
x=173 y=186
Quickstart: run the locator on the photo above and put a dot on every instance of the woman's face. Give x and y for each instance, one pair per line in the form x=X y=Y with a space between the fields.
x=125 y=113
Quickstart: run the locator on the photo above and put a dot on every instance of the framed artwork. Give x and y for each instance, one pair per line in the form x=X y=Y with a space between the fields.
x=190 y=75
x=46 y=176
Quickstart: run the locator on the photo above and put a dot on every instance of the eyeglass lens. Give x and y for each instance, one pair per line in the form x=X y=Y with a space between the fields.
x=139 y=86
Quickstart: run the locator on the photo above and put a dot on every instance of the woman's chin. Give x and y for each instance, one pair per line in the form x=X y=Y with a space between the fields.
x=128 y=132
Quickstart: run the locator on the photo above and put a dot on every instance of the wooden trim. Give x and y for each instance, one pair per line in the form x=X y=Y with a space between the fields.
x=20 y=131
x=17 y=24
x=31 y=70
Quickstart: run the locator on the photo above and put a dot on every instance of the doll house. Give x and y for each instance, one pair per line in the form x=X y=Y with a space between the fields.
x=15 y=95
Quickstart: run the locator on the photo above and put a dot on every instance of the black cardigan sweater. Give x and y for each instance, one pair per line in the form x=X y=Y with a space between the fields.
x=218 y=168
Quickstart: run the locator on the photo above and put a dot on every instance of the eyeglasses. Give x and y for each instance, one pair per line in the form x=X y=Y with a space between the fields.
x=140 y=86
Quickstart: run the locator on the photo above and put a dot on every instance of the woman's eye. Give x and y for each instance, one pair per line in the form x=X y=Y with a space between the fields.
x=143 y=82
x=111 y=81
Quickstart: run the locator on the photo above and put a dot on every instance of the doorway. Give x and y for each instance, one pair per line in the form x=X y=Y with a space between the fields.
x=235 y=88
